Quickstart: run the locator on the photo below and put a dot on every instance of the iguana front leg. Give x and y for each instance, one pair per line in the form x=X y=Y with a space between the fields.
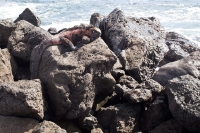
x=86 y=40
x=67 y=42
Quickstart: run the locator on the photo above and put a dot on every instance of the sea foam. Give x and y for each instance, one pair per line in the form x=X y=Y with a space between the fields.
x=178 y=15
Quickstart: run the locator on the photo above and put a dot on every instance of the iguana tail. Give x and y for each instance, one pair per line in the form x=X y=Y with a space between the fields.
x=36 y=56
x=37 y=52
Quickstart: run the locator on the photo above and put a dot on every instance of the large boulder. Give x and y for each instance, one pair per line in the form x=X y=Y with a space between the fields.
x=24 y=38
x=74 y=79
x=183 y=98
x=179 y=47
x=11 y=124
x=30 y=17
x=97 y=20
x=170 y=126
x=185 y=44
x=6 y=27
x=48 y=127
x=175 y=52
x=139 y=42
x=121 y=118
x=188 y=65
x=157 y=113
x=5 y=66
x=22 y=98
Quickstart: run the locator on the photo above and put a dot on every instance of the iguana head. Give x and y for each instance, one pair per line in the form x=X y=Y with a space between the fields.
x=93 y=33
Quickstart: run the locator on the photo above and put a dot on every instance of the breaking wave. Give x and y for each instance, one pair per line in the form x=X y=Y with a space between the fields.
x=182 y=16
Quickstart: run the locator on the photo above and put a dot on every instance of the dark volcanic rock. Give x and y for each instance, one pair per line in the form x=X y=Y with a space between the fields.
x=139 y=42
x=183 y=97
x=125 y=86
x=76 y=78
x=69 y=125
x=23 y=98
x=97 y=20
x=24 y=38
x=48 y=127
x=170 y=126
x=90 y=122
x=151 y=85
x=175 y=52
x=136 y=93
x=128 y=81
x=30 y=17
x=189 y=65
x=22 y=73
x=52 y=31
x=155 y=114
x=6 y=27
x=11 y=124
x=179 y=46
x=5 y=66
x=121 y=118
x=133 y=95
x=186 y=44
x=97 y=130
x=117 y=70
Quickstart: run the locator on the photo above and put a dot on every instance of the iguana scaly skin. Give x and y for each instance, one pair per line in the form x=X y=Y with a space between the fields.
x=71 y=37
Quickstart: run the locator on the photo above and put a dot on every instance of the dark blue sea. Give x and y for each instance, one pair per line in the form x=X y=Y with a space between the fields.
x=182 y=16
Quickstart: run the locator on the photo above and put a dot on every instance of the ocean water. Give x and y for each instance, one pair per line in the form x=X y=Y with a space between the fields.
x=182 y=16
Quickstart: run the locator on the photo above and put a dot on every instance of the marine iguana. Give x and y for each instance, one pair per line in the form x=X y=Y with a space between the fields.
x=72 y=37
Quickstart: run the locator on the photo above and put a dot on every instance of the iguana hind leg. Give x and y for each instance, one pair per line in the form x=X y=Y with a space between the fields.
x=67 y=42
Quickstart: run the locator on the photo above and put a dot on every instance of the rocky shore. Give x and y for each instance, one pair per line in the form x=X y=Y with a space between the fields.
x=135 y=78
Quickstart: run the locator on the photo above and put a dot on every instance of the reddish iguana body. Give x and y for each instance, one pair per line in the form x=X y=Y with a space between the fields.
x=71 y=37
